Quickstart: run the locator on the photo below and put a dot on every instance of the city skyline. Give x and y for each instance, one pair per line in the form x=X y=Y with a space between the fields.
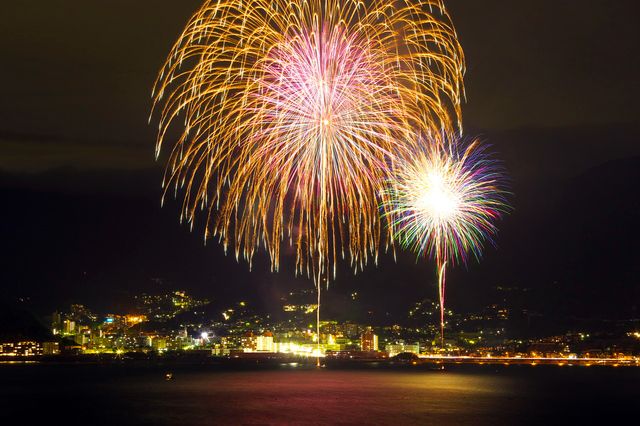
x=174 y=324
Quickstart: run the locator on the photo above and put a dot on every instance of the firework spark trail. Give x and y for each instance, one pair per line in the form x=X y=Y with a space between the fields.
x=444 y=203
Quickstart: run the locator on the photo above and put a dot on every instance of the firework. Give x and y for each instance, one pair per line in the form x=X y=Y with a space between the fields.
x=444 y=204
x=291 y=115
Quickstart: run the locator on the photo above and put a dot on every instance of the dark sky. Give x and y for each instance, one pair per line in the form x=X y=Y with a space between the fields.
x=552 y=84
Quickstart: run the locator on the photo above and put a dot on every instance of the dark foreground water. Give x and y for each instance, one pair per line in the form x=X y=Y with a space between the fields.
x=481 y=395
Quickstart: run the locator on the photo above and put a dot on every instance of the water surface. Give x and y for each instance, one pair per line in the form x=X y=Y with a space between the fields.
x=469 y=395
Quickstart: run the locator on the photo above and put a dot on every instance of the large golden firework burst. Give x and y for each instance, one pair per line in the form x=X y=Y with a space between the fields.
x=292 y=115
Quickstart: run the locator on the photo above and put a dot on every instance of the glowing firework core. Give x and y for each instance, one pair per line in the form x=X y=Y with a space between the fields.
x=325 y=93
x=437 y=199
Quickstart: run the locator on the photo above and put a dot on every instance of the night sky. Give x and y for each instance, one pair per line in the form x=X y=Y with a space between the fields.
x=552 y=85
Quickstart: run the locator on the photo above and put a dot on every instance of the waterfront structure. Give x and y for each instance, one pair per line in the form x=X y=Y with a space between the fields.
x=265 y=342
x=369 y=341
x=22 y=348
x=398 y=348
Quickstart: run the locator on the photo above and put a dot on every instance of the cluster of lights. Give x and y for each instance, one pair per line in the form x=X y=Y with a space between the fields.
x=27 y=348
x=306 y=309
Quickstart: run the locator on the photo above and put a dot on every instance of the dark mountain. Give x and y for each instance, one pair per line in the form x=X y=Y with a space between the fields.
x=19 y=323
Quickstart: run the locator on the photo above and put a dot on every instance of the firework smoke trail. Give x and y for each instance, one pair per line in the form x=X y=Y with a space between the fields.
x=445 y=202
x=291 y=115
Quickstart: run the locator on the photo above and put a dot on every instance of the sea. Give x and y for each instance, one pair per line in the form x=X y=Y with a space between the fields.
x=114 y=394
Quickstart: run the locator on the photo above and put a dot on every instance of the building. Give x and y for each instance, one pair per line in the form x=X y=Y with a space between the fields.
x=248 y=342
x=50 y=348
x=398 y=348
x=82 y=335
x=369 y=341
x=265 y=342
x=56 y=323
x=258 y=343
x=159 y=344
x=27 y=348
x=351 y=330
x=68 y=327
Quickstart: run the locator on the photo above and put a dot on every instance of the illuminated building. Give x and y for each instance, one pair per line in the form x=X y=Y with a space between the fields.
x=82 y=336
x=398 y=348
x=28 y=348
x=248 y=342
x=181 y=342
x=68 y=327
x=50 y=348
x=265 y=342
x=7 y=349
x=369 y=341
x=25 y=348
x=159 y=344
x=257 y=343
x=295 y=348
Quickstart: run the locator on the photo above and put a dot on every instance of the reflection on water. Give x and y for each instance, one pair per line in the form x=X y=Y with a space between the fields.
x=485 y=396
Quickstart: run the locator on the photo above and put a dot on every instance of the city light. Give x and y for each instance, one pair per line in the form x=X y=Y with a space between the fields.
x=248 y=335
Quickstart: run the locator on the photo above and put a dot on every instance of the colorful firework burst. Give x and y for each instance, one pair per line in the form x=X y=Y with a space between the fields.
x=292 y=115
x=444 y=204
